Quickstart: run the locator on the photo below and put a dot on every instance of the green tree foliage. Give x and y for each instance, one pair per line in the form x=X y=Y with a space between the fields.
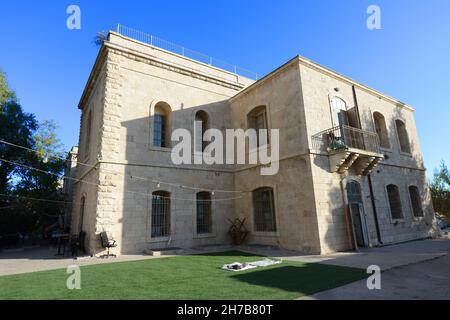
x=16 y=126
x=5 y=93
x=440 y=190
x=21 y=186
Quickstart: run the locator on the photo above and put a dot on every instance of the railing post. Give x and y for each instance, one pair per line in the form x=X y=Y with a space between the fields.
x=151 y=39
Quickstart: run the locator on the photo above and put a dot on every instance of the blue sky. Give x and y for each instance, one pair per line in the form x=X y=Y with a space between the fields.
x=48 y=64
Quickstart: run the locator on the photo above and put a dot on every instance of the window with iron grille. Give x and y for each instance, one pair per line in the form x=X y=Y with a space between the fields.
x=415 y=201
x=160 y=224
x=159 y=130
x=264 y=210
x=394 y=201
x=204 y=213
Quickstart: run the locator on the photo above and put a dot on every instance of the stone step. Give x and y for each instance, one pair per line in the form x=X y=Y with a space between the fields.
x=164 y=251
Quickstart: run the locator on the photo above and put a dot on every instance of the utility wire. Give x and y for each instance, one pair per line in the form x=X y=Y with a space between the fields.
x=99 y=185
x=137 y=177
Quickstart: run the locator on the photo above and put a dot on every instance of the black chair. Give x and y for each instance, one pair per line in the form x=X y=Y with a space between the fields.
x=74 y=245
x=107 y=243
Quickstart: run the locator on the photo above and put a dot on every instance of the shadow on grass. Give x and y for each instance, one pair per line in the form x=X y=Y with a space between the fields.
x=306 y=278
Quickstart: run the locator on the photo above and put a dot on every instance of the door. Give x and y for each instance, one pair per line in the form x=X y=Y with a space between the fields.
x=357 y=218
x=356 y=207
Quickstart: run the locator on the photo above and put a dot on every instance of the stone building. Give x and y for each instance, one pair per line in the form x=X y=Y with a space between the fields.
x=351 y=172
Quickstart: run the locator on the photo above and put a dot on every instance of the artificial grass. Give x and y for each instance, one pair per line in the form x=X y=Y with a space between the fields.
x=183 y=277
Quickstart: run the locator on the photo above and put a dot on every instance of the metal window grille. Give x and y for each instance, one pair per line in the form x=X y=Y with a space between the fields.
x=159 y=130
x=204 y=213
x=415 y=201
x=354 y=192
x=264 y=210
x=394 y=201
x=160 y=214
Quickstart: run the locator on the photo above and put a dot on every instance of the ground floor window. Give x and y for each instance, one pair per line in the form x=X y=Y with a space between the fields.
x=415 y=201
x=204 y=213
x=394 y=201
x=160 y=224
x=264 y=210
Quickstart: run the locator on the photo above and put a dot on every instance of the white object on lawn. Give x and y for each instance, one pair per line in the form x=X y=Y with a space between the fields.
x=237 y=266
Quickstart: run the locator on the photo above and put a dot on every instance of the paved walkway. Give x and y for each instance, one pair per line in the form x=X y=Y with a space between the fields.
x=44 y=258
x=423 y=280
x=385 y=257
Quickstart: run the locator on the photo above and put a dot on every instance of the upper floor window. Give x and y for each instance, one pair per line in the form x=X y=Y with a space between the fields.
x=160 y=224
x=161 y=125
x=403 y=136
x=394 y=201
x=381 y=129
x=416 y=203
x=257 y=119
x=201 y=125
x=204 y=213
x=264 y=210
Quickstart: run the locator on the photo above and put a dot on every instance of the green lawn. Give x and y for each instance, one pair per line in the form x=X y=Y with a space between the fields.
x=183 y=277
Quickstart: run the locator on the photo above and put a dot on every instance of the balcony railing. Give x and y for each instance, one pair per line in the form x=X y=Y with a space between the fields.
x=344 y=137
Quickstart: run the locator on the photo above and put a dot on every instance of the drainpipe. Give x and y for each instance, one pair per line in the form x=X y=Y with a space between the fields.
x=375 y=215
x=369 y=177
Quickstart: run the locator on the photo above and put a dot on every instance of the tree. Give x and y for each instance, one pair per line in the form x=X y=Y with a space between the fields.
x=42 y=177
x=440 y=190
x=30 y=191
x=5 y=93
x=16 y=126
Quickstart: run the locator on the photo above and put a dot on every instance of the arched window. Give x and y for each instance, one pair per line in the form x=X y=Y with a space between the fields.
x=88 y=134
x=338 y=111
x=394 y=201
x=257 y=119
x=204 y=213
x=264 y=210
x=160 y=214
x=201 y=125
x=381 y=129
x=402 y=136
x=354 y=192
x=162 y=125
x=416 y=203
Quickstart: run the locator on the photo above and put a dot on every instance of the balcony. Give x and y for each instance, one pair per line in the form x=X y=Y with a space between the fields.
x=349 y=147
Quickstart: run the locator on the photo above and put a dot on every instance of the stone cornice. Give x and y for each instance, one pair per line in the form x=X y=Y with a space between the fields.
x=306 y=62
x=99 y=61
x=158 y=62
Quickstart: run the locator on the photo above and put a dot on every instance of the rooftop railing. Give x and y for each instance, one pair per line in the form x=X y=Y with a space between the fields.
x=183 y=51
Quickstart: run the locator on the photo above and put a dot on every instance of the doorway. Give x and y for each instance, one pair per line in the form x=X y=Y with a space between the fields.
x=358 y=218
